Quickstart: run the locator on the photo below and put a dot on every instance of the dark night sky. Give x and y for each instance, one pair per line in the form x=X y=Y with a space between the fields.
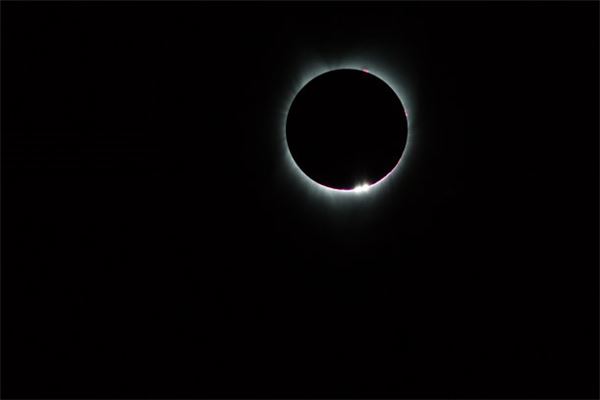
x=153 y=244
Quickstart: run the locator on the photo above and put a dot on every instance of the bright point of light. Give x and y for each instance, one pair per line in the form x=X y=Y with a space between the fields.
x=361 y=188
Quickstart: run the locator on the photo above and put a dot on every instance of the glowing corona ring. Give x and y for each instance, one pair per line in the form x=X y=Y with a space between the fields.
x=361 y=188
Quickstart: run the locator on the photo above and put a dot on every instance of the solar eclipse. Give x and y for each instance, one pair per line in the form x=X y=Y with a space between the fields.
x=346 y=130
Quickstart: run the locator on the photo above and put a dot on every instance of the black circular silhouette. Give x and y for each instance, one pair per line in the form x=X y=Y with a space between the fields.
x=346 y=128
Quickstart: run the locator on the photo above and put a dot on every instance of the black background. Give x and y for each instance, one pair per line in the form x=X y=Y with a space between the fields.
x=154 y=246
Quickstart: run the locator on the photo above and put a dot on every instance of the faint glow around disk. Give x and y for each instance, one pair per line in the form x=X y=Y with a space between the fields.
x=361 y=188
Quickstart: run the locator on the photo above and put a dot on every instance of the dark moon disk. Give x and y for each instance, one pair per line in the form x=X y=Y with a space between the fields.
x=346 y=128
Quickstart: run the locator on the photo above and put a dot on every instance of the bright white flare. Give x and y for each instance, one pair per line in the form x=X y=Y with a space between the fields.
x=361 y=188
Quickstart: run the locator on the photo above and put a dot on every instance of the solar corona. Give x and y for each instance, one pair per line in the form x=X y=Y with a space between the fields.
x=345 y=131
